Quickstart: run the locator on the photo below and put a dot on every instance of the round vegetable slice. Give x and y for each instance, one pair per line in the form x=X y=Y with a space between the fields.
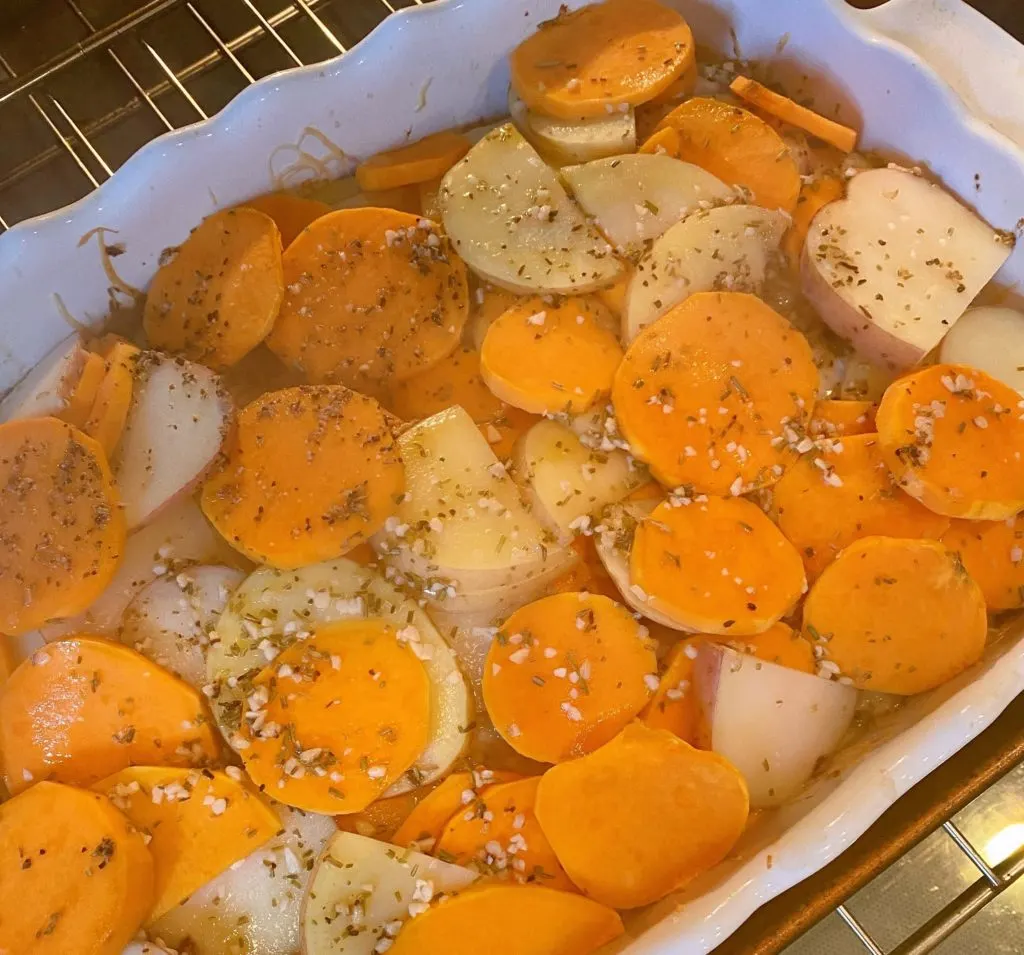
x=109 y=413
x=993 y=553
x=429 y=158
x=566 y=673
x=290 y=212
x=716 y=565
x=842 y=418
x=739 y=148
x=779 y=644
x=269 y=498
x=711 y=394
x=954 y=438
x=896 y=616
x=82 y=399
x=840 y=492
x=74 y=875
x=84 y=708
x=604 y=56
x=814 y=196
x=337 y=718
x=674 y=704
x=990 y=338
x=217 y=299
x=371 y=295
x=642 y=816
x=60 y=522
x=510 y=920
x=455 y=380
x=548 y=358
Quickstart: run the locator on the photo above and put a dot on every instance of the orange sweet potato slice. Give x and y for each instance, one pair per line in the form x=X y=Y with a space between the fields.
x=779 y=644
x=371 y=295
x=426 y=159
x=615 y=54
x=109 y=413
x=60 y=522
x=217 y=299
x=455 y=380
x=269 y=499
x=566 y=673
x=84 y=708
x=840 y=492
x=510 y=920
x=897 y=616
x=993 y=553
x=347 y=712
x=381 y=819
x=665 y=140
x=739 y=148
x=674 y=704
x=953 y=437
x=547 y=358
x=83 y=397
x=642 y=816
x=716 y=565
x=842 y=418
x=74 y=875
x=488 y=304
x=710 y=394
x=813 y=196
x=196 y=823
x=291 y=213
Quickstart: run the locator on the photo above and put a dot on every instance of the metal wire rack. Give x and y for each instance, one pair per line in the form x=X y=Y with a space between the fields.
x=93 y=80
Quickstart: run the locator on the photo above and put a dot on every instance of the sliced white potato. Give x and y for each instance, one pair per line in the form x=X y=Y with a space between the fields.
x=567 y=484
x=895 y=263
x=171 y=619
x=253 y=908
x=989 y=338
x=727 y=248
x=463 y=527
x=179 y=537
x=363 y=890
x=562 y=141
x=634 y=199
x=512 y=221
x=772 y=723
x=177 y=422
x=45 y=390
x=268 y=611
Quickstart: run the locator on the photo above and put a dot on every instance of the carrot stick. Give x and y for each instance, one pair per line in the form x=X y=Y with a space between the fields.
x=602 y=57
x=896 y=616
x=840 y=492
x=565 y=674
x=814 y=196
x=281 y=514
x=842 y=418
x=83 y=397
x=74 y=875
x=346 y=712
x=713 y=393
x=993 y=553
x=61 y=520
x=953 y=437
x=674 y=704
x=290 y=213
x=109 y=412
x=426 y=159
x=642 y=816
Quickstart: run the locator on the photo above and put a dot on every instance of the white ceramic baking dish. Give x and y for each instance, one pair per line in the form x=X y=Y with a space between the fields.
x=443 y=65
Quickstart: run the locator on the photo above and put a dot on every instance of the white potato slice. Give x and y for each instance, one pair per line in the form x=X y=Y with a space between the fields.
x=727 y=248
x=634 y=199
x=177 y=422
x=772 y=723
x=254 y=907
x=179 y=537
x=562 y=141
x=363 y=890
x=568 y=484
x=895 y=263
x=271 y=607
x=45 y=390
x=989 y=338
x=512 y=221
x=171 y=619
x=463 y=527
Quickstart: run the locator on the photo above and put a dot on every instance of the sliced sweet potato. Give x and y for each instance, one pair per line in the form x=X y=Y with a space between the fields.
x=566 y=673
x=739 y=148
x=708 y=393
x=993 y=553
x=489 y=303
x=60 y=523
x=74 y=875
x=840 y=492
x=842 y=418
x=609 y=55
x=82 y=399
x=83 y=708
x=953 y=437
x=335 y=719
x=455 y=380
x=642 y=816
x=779 y=644
x=269 y=498
x=428 y=158
x=291 y=213
x=371 y=295
x=814 y=196
x=674 y=704
x=217 y=299
x=897 y=616
x=664 y=141
x=109 y=412
x=196 y=824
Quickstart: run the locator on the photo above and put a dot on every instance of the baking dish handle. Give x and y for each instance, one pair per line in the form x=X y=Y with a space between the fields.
x=981 y=62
